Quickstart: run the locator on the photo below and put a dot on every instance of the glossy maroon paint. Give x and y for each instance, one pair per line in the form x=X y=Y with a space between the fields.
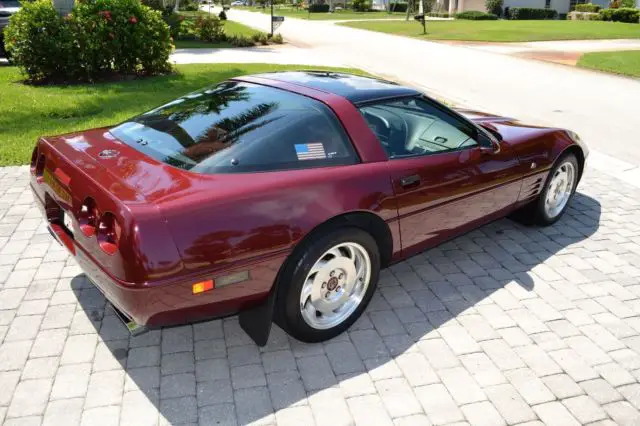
x=179 y=228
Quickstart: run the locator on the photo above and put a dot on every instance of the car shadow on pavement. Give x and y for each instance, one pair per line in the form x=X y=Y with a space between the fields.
x=429 y=312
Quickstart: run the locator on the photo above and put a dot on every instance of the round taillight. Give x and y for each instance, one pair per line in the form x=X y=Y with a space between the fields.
x=88 y=217
x=34 y=159
x=108 y=233
x=40 y=165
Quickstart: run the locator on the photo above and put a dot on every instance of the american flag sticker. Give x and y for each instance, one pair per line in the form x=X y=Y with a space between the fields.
x=310 y=151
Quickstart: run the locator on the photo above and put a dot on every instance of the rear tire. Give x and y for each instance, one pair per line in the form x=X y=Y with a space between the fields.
x=326 y=285
x=556 y=195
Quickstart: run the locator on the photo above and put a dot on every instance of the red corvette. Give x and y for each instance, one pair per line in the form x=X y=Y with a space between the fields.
x=282 y=195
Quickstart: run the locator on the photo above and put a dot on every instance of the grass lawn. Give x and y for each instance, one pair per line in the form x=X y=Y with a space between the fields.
x=505 y=31
x=230 y=28
x=27 y=112
x=340 y=14
x=623 y=62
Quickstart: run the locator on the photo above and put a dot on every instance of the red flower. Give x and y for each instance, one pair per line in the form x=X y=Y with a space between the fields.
x=133 y=20
x=106 y=15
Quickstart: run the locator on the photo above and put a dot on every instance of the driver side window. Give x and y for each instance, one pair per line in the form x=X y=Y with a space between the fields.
x=413 y=126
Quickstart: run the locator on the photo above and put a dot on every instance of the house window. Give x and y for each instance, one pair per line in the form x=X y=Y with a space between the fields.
x=547 y=4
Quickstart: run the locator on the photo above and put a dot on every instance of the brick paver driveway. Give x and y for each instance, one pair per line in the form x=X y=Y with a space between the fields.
x=506 y=325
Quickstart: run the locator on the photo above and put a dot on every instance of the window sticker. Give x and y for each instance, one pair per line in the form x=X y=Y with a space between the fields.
x=310 y=151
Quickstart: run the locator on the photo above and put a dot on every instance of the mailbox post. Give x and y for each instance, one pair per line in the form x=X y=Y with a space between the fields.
x=420 y=18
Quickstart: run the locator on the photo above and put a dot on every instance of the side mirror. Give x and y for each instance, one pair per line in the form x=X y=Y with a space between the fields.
x=489 y=144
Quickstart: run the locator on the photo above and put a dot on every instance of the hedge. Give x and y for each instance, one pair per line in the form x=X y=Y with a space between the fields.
x=438 y=14
x=624 y=14
x=588 y=7
x=475 y=15
x=398 y=7
x=319 y=8
x=524 y=13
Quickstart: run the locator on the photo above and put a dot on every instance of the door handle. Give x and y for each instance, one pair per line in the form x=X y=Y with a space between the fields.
x=408 y=181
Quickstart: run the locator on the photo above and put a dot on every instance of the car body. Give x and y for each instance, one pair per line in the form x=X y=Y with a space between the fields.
x=238 y=3
x=146 y=226
x=7 y=8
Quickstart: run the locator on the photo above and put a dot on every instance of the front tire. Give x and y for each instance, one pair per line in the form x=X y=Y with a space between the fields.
x=327 y=285
x=555 y=197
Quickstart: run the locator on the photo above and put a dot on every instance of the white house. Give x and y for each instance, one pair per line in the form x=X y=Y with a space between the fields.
x=561 y=6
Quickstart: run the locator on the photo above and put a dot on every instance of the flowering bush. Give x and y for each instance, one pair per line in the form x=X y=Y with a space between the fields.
x=40 y=41
x=99 y=39
x=210 y=28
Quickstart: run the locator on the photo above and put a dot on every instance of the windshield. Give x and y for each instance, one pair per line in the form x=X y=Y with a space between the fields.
x=239 y=127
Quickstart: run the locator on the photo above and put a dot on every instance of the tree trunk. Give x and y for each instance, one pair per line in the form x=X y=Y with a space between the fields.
x=63 y=7
x=177 y=5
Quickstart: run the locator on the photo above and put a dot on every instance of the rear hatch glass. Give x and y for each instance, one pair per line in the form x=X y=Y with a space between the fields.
x=239 y=127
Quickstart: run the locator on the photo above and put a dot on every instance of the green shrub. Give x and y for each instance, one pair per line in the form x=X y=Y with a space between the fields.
x=188 y=5
x=255 y=37
x=438 y=14
x=628 y=3
x=263 y=39
x=175 y=21
x=398 y=7
x=494 y=6
x=240 y=41
x=361 y=5
x=475 y=15
x=625 y=14
x=121 y=36
x=318 y=8
x=153 y=4
x=96 y=40
x=41 y=42
x=524 y=13
x=277 y=39
x=588 y=7
x=209 y=28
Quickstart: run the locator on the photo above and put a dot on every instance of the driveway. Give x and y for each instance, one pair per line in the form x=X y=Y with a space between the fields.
x=506 y=325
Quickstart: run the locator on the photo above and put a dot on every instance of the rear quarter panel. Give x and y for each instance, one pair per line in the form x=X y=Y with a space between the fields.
x=235 y=219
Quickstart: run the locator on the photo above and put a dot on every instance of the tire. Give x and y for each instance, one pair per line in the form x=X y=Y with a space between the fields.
x=350 y=243
x=540 y=212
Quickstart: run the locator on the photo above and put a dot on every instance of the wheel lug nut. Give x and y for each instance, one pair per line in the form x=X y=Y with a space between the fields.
x=338 y=288
x=341 y=276
x=331 y=273
x=324 y=285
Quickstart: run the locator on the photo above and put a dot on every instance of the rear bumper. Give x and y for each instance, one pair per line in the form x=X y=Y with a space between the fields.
x=156 y=305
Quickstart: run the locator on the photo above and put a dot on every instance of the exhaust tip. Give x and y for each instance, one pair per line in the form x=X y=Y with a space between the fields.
x=134 y=328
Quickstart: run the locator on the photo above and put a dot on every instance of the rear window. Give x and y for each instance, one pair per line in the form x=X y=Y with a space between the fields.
x=9 y=3
x=240 y=127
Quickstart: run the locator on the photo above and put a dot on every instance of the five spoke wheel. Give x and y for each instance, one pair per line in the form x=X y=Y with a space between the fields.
x=335 y=285
x=560 y=189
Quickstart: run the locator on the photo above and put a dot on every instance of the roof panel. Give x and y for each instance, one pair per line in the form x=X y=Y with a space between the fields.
x=355 y=88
